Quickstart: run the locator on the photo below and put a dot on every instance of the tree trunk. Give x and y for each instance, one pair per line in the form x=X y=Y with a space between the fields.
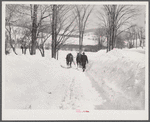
x=10 y=40
x=80 y=42
x=133 y=40
x=99 y=43
x=115 y=40
x=140 y=42
x=108 y=43
x=34 y=30
x=57 y=54
x=113 y=25
x=54 y=27
x=42 y=51
x=143 y=43
x=136 y=40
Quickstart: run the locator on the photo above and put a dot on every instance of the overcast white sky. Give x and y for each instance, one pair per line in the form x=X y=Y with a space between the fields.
x=93 y=20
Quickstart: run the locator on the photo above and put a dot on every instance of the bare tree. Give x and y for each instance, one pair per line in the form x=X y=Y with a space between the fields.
x=34 y=27
x=117 y=19
x=62 y=27
x=82 y=12
x=33 y=17
x=54 y=27
x=10 y=20
x=43 y=26
x=42 y=39
x=101 y=34
x=141 y=35
x=25 y=40
x=134 y=34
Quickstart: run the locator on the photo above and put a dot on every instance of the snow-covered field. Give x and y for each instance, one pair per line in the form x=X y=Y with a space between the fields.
x=85 y=42
x=75 y=41
x=112 y=81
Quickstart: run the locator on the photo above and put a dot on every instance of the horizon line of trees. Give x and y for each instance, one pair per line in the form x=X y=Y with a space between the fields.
x=37 y=17
x=116 y=19
x=65 y=20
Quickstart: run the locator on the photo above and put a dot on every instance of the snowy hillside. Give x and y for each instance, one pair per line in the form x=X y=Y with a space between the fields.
x=114 y=80
x=75 y=41
x=85 y=41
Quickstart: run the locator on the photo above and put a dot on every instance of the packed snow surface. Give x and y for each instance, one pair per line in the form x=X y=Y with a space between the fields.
x=120 y=75
x=34 y=82
x=113 y=80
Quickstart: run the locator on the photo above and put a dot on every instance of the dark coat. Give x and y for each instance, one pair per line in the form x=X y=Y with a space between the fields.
x=78 y=58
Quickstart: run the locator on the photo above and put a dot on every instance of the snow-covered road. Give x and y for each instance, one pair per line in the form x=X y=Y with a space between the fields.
x=77 y=95
x=81 y=94
x=35 y=82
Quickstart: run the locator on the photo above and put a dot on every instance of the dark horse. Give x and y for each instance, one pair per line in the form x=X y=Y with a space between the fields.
x=78 y=59
x=69 y=59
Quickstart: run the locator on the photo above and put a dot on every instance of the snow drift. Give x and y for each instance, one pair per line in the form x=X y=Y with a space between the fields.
x=30 y=78
x=120 y=74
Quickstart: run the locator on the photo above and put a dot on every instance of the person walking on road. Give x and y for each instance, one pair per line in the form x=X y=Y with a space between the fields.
x=78 y=60
x=84 y=60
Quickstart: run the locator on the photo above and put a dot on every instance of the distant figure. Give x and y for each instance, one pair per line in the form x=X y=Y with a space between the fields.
x=78 y=59
x=84 y=60
x=24 y=47
x=69 y=59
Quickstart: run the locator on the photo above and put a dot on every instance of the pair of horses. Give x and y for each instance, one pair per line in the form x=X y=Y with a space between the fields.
x=69 y=59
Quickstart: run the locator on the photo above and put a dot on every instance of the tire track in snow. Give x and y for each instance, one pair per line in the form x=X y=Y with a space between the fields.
x=105 y=91
x=114 y=100
x=67 y=97
x=81 y=94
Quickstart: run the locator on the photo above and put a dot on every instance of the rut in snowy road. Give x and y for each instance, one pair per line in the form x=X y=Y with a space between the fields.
x=81 y=94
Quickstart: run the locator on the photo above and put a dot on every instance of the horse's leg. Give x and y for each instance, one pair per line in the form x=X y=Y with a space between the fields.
x=66 y=61
x=22 y=50
x=83 y=67
x=78 y=64
x=70 y=63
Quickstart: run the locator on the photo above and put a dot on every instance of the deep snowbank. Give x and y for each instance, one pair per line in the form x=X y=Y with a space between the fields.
x=121 y=74
x=30 y=80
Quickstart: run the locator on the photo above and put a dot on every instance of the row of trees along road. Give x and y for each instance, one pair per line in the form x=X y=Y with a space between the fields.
x=39 y=22
x=116 y=19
